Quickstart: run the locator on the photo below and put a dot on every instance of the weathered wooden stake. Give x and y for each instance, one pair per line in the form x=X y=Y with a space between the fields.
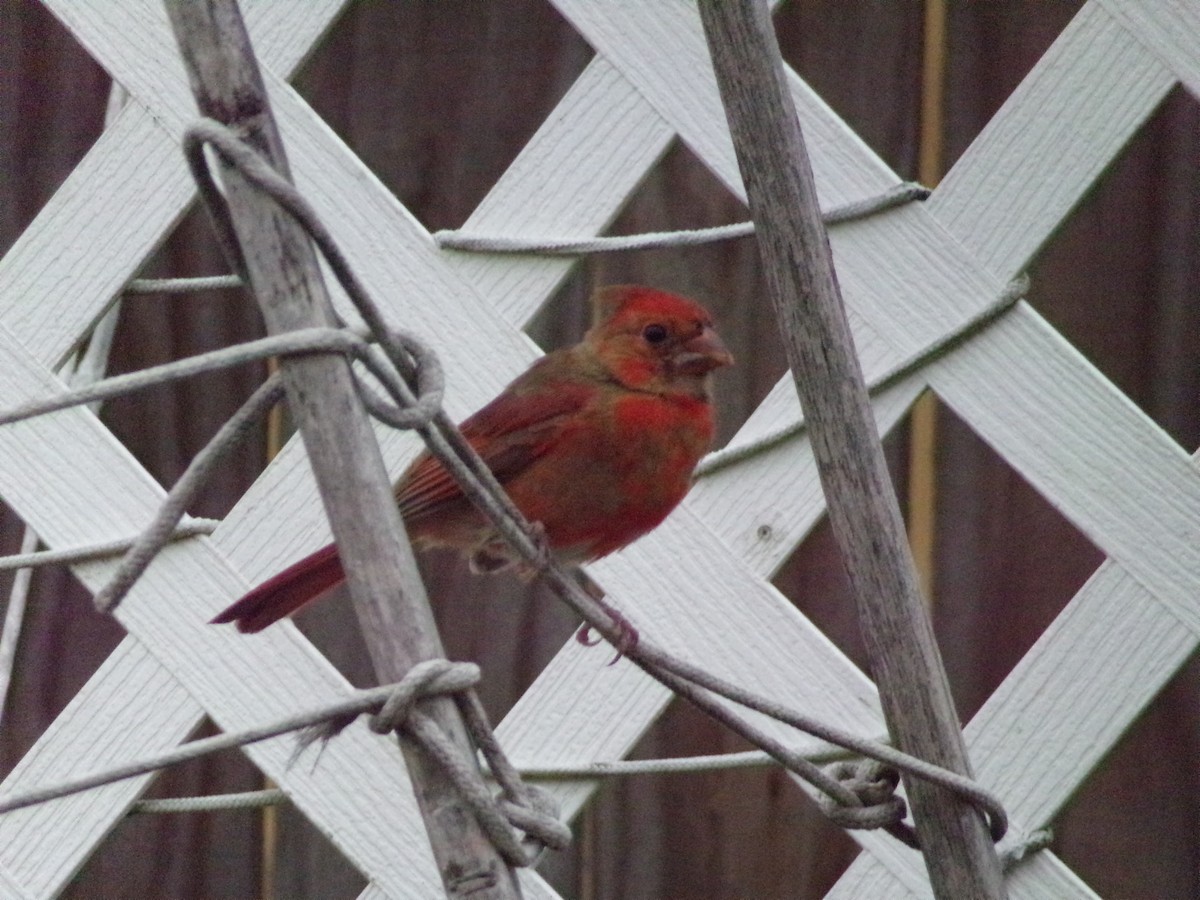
x=388 y=595
x=916 y=699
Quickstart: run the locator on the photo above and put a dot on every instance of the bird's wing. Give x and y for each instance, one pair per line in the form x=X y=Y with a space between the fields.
x=510 y=433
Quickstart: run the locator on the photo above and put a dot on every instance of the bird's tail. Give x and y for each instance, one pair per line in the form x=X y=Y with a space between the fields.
x=296 y=586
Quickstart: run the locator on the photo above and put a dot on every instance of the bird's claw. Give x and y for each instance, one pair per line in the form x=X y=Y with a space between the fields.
x=537 y=531
x=626 y=638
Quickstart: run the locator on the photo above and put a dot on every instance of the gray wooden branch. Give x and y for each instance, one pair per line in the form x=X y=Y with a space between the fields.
x=907 y=667
x=388 y=595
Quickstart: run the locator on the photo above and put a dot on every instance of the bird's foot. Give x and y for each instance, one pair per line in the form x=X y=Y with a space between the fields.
x=626 y=637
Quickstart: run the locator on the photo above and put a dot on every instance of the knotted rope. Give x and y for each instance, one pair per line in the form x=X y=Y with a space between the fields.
x=411 y=380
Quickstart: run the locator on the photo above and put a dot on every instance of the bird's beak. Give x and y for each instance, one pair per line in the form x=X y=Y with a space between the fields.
x=703 y=353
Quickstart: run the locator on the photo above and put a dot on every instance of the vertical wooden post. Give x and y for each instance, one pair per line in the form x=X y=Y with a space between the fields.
x=388 y=595
x=916 y=699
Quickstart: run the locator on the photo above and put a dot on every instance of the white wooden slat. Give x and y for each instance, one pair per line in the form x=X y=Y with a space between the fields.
x=11 y=888
x=907 y=279
x=1086 y=448
x=1044 y=877
x=43 y=846
x=87 y=241
x=1062 y=708
x=664 y=44
x=67 y=476
x=764 y=507
x=286 y=34
x=396 y=260
x=1054 y=136
x=533 y=887
x=1040 y=877
x=1166 y=28
x=725 y=619
x=1068 y=701
x=84 y=244
x=565 y=182
x=146 y=62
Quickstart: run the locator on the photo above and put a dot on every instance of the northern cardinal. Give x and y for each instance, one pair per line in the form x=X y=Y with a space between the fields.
x=596 y=442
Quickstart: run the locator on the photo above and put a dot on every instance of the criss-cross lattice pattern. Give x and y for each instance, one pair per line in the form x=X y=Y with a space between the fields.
x=910 y=276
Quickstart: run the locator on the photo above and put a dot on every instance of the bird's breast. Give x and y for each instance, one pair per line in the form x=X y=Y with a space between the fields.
x=615 y=473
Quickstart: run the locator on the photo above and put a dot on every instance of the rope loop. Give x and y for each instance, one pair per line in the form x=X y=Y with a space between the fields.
x=873 y=784
x=408 y=407
x=433 y=677
x=519 y=808
x=412 y=381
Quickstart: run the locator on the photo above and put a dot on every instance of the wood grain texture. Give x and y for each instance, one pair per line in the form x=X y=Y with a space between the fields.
x=42 y=864
x=1164 y=28
x=1050 y=141
x=239 y=682
x=1069 y=431
x=373 y=261
x=381 y=572
x=85 y=244
x=913 y=688
x=1099 y=71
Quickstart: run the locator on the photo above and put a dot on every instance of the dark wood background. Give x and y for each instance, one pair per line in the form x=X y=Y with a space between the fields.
x=437 y=98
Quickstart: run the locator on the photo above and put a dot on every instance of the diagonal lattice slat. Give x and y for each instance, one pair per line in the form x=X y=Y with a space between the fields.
x=942 y=263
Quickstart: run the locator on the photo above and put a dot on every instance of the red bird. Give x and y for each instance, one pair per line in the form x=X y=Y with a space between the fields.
x=595 y=442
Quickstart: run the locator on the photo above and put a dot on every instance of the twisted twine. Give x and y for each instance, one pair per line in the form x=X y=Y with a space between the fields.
x=860 y=796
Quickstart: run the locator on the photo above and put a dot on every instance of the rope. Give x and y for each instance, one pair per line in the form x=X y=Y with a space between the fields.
x=393 y=706
x=182 y=285
x=211 y=802
x=874 y=782
x=33 y=560
x=1011 y=857
x=1009 y=297
x=183 y=492
x=617 y=768
x=411 y=378
x=746 y=759
x=305 y=340
x=478 y=242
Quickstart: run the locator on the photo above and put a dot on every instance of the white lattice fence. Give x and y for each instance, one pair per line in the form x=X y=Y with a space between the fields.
x=911 y=277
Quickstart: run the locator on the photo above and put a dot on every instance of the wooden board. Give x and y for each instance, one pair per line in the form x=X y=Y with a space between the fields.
x=911 y=277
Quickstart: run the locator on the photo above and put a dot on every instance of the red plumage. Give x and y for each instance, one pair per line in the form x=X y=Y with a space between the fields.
x=596 y=442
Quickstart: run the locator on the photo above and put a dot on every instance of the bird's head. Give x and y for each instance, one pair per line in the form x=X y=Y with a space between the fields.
x=650 y=340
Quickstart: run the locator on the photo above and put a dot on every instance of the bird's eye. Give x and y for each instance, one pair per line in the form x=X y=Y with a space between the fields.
x=654 y=334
